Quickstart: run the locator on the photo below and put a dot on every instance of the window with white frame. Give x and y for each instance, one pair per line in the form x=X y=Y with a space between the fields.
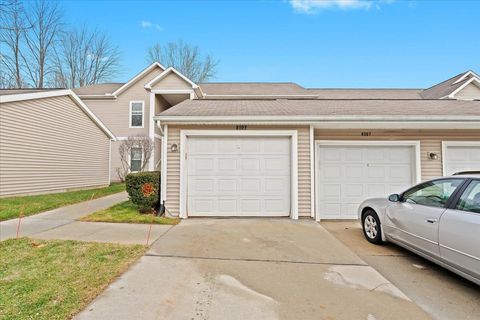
x=136 y=114
x=136 y=159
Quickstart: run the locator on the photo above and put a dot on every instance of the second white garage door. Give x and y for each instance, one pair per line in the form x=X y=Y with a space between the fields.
x=461 y=157
x=238 y=176
x=349 y=175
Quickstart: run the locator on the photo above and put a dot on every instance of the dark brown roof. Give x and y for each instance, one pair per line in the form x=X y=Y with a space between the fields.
x=292 y=108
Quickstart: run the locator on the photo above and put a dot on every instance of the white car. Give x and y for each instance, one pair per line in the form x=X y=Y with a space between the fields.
x=437 y=219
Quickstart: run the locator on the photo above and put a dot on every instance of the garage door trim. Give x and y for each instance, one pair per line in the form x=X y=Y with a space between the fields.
x=292 y=134
x=446 y=144
x=385 y=143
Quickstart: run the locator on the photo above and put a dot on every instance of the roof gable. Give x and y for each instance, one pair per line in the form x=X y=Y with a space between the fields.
x=447 y=88
x=138 y=77
x=173 y=74
x=469 y=90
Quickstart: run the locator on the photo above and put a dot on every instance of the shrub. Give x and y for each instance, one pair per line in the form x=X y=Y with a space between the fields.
x=142 y=188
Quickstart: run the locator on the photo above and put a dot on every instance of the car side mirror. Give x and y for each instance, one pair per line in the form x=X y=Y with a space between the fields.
x=394 y=197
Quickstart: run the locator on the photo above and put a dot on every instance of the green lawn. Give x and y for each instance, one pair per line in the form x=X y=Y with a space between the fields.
x=12 y=207
x=57 y=279
x=127 y=212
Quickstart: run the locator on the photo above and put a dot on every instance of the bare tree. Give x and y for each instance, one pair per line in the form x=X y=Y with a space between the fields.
x=13 y=29
x=135 y=152
x=85 y=57
x=186 y=58
x=45 y=18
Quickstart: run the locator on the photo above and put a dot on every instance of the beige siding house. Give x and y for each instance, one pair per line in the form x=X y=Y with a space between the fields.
x=50 y=142
x=278 y=149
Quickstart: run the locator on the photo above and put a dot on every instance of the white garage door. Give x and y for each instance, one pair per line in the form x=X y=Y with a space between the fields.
x=349 y=175
x=238 y=176
x=462 y=158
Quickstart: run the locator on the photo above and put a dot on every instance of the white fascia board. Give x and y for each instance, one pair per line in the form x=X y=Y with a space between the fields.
x=426 y=118
x=97 y=96
x=59 y=93
x=138 y=76
x=162 y=75
x=365 y=124
x=172 y=91
x=469 y=73
x=452 y=95
x=34 y=95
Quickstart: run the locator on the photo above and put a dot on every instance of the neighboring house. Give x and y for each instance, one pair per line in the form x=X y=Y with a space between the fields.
x=50 y=142
x=278 y=149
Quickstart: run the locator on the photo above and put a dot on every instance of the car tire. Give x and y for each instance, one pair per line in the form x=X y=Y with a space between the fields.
x=372 y=229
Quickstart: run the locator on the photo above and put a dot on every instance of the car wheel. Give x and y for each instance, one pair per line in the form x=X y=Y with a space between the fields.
x=372 y=229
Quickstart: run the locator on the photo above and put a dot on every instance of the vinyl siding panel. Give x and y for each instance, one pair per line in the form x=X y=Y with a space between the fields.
x=430 y=141
x=49 y=145
x=173 y=164
x=471 y=91
x=172 y=81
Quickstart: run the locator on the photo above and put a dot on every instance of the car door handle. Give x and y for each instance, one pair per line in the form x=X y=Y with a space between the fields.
x=431 y=220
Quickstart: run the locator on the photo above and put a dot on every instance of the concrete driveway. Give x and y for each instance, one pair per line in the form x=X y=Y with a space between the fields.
x=443 y=294
x=251 y=269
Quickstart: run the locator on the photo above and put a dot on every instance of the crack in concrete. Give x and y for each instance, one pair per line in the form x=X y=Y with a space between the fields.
x=254 y=260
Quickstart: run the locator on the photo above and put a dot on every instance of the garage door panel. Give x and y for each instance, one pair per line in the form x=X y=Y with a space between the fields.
x=330 y=191
x=240 y=176
x=250 y=186
x=375 y=172
x=353 y=155
x=227 y=186
x=250 y=165
x=330 y=171
x=401 y=173
x=352 y=190
x=349 y=175
x=276 y=146
x=462 y=158
x=276 y=185
x=353 y=171
x=227 y=164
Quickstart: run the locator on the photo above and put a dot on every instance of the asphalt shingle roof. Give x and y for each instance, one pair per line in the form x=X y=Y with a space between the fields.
x=292 y=108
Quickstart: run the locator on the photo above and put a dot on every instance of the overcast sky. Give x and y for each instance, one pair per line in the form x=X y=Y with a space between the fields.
x=330 y=43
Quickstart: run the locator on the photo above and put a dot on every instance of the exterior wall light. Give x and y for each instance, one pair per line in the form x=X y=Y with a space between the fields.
x=432 y=155
x=174 y=147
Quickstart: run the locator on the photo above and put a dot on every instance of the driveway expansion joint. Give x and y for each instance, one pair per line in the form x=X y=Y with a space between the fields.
x=256 y=260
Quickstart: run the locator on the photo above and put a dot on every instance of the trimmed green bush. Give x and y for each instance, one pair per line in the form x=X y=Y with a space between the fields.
x=142 y=188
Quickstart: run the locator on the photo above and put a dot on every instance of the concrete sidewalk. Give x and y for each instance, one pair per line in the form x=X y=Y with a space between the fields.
x=61 y=224
x=32 y=225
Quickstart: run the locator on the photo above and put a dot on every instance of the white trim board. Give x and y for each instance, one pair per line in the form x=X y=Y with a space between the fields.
x=151 y=130
x=312 y=172
x=293 y=134
x=468 y=73
x=446 y=144
x=385 y=143
x=164 y=173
